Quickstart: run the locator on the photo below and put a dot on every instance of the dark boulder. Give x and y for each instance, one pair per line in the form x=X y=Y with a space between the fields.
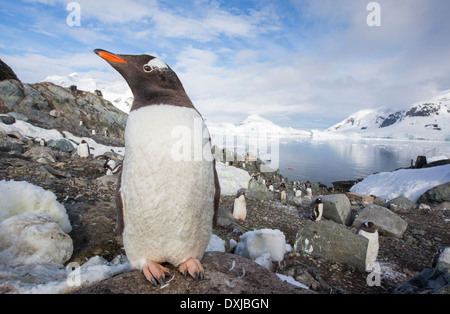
x=6 y=73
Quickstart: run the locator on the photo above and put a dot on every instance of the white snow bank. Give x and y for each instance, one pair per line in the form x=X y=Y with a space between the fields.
x=411 y=183
x=231 y=179
x=33 y=239
x=17 y=197
x=255 y=243
x=29 y=130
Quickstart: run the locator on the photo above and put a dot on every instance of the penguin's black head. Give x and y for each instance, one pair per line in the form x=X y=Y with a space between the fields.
x=151 y=80
x=241 y=192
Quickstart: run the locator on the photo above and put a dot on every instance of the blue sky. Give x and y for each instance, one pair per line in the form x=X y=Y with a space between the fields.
x=301 y=63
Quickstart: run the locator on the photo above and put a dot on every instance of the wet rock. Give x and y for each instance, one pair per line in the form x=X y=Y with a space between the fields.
x=387 y=222
x=334 y=242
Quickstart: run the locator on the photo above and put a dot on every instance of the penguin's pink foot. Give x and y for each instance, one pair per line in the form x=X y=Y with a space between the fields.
x=155 y=273
x=193 y=267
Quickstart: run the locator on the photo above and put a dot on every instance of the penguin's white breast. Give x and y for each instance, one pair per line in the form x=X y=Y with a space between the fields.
x=167 y=183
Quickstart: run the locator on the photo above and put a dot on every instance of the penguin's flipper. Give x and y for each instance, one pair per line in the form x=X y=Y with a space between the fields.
x=120 y=205
x=193 y=267
x=216 y=194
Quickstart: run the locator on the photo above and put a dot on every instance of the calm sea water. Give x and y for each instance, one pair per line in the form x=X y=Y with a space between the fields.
x=338 y=160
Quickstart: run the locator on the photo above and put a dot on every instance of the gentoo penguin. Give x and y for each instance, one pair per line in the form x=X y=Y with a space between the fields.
x=111 y=167
x=317 y=209
x=298 y=193
x=240 y=206
x=370 y=231
x=168 y=194
x=83 y=149
x=283 y=195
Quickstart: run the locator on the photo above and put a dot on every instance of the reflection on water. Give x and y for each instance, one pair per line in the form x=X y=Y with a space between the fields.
x=326 y=161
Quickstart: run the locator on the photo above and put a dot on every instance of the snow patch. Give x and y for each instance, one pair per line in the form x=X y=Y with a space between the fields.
x=411 y=183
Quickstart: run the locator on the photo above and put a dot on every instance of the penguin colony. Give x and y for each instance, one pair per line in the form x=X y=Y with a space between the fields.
x=166 y=206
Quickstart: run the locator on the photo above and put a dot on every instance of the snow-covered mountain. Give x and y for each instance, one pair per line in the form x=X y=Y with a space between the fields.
x=255 y=125
x=117 y=92
x=428 y=120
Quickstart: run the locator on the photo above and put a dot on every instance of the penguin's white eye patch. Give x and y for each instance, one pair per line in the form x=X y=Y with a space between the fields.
x=155 y=64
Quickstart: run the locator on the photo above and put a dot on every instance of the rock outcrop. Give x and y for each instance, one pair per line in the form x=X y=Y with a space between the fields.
x=53 y=107
x=6 y=73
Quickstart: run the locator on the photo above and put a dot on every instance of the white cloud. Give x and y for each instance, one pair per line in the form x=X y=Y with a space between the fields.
x=316 y=60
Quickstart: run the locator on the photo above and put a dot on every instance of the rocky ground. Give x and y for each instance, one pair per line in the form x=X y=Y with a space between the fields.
x=89 y=202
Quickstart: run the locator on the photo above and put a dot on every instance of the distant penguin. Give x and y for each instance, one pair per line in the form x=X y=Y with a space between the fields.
x=83 y=149
x=167 y=201
x=298 y=193
x=283 y=195
x=111 y=167
x=40 y=141
x=271 y=189
x=370 y=231
x=240 y=206
x=309 y=192
x=317 y=209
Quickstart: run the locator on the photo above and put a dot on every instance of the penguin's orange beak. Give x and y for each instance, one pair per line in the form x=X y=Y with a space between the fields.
x=109 y=56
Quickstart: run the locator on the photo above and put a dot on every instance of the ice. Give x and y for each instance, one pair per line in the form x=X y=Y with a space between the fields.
x=255 y=243
x=55 y=278
x=17 y=197
x=33 y=239
x=215 y=244
x=291 y=281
